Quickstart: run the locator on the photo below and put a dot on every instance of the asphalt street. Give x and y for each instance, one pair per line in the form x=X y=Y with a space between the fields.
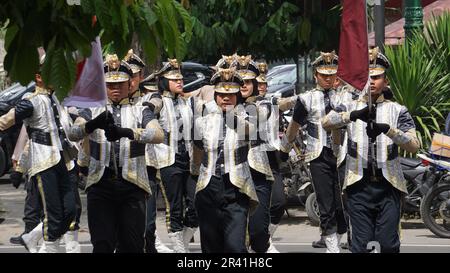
x=294 y=234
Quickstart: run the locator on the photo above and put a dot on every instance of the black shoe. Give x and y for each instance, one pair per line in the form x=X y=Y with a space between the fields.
x=150 y=243
x=319 y=244
x=16 y=240
x=345 y=245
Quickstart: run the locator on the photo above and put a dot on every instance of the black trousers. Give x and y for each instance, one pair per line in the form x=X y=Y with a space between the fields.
x=116 y=216
x=278 y=201
x=58 y=200
x=178 y=189
x=328 y=193
x=341 y=176
x=374 y=210
x=222 y=214
x=151 y=212
x=33 y=212
x=73 y=174
x=258 y=225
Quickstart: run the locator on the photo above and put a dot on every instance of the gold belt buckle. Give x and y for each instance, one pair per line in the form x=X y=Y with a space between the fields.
x=374 y=178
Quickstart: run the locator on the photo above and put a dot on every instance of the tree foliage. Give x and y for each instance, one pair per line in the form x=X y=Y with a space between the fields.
x=267 y=29
x=63 y=29
x=420 y=77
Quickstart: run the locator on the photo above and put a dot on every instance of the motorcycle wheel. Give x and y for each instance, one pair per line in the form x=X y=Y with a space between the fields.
x=304 y=193
x=312 y=209
x=435 y=210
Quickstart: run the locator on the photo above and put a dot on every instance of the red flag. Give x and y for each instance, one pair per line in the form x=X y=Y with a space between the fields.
x=353 y=45
x=80 y=66
x=90 y=88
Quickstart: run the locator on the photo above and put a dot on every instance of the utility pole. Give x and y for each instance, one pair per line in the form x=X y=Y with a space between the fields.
x=379 y=24
x=413 y=13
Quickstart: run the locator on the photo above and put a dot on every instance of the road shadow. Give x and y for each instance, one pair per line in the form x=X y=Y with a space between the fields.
x=431 y=236
x=292 y=219
x=4 y=180
x=413 y=225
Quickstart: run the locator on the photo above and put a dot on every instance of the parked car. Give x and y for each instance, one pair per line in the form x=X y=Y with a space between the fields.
x=281 y=82
x=195 y=75
x=8 y=98
x=279 y=68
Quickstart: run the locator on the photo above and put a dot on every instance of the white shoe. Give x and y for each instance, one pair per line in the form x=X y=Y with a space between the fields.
x=42 y=249
x=272 y=229
x=31 y=239
x=160 y=247
x=50 y=247
x=71 y=240
x=272 y=248
x=177 y=240
x=339 y=236
x=332 y=243
x=374 y=251
x=188 y=233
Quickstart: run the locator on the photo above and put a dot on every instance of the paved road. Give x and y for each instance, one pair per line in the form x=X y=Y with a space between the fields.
x=294 y=234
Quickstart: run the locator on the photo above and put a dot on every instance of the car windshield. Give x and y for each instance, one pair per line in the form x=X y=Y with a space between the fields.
x=285 y=77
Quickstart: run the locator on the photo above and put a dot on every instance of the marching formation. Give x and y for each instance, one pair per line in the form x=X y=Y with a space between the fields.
x=214 y=155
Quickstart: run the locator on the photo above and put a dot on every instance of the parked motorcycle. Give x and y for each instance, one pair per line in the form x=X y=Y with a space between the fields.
x=418 y=184
x=426 y=182
x=296 y=176
x=435 y=206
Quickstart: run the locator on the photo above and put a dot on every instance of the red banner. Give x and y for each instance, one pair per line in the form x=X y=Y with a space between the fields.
x=353 y=45
x=90 y=88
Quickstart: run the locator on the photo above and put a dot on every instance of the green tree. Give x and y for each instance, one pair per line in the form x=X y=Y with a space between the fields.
x=62 y=29
x=420 y=76
x=267 y=29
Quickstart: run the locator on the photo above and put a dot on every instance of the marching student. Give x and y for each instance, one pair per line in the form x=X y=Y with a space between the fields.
x=311 y=106
x=46 y=123
x=225 y=194
x=374 y=183
x=117 y=182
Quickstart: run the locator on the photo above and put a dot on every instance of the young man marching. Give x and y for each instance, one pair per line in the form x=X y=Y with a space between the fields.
x=46 y=123
x=117 y=182
x=310 y=108
x=374 y=182
x=225 y=193
x=172 y=157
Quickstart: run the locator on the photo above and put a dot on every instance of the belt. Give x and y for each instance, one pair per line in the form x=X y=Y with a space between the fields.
x=312 y=129
x=256 y=143
x=39 y=136
x=377 y=177
x=94 y=149
x=240 y=155
x=137 y=149
x=392 y=150
x=111 y=174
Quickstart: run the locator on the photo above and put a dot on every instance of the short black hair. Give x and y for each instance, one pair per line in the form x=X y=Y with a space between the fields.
x=163 y=84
